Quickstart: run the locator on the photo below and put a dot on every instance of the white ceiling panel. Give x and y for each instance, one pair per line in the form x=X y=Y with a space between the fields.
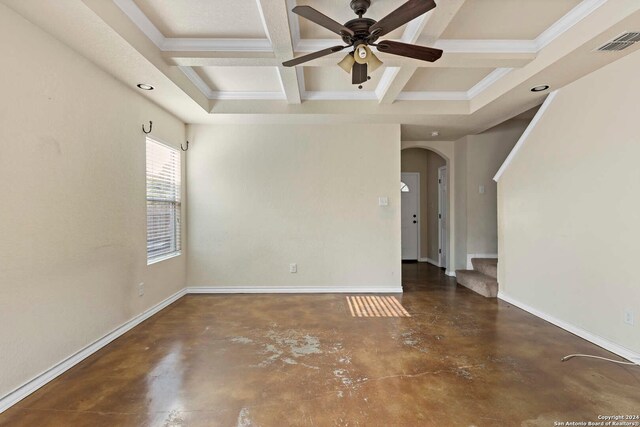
x=446 y=79
x=506 y=19
x=241 y=79
x=205 y=18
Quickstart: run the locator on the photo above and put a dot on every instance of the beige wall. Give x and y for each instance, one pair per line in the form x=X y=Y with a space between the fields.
x=569 y=206
x=460 y=197
x=426 y=163
x=262 y=197
x=479 y=157
x=72 y=216
x=485 y=154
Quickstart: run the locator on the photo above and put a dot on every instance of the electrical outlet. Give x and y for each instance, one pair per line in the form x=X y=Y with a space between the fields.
x=140 y=289
x=629 y=317
x=293 y=268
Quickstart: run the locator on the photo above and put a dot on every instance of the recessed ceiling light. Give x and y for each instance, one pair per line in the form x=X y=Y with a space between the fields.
x=435 y=133
x=540 y=88
x=145 y=86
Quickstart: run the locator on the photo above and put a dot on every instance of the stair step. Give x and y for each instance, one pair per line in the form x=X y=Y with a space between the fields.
x=481 y=283
x=488 y=266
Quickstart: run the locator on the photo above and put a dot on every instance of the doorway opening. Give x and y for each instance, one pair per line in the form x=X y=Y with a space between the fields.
x=424 y=207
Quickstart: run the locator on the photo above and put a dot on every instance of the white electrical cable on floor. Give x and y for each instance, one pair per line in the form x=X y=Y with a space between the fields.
x=620 y=362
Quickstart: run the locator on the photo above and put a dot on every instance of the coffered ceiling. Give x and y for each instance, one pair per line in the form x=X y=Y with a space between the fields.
x=219 y=61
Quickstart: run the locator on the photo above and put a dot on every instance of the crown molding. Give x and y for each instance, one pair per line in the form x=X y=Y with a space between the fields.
x=263 y=20
x=575 y=15
x=433 y=96
x=339 y=96
x=197 y=81
x=482 y=85
x=386 y=79
x=486 y=46
x=414 y=28
x=227 y=95
x=138 y=17
x=215 y=45
x=294 y=24
x=489 y=80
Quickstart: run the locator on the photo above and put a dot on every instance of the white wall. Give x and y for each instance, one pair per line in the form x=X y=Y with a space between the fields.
x=478 y=158
x=460 y=198
x=569 y=206
x=72 y=213
x=262 y=197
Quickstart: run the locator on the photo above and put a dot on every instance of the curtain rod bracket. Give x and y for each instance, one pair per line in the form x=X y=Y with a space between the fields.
x=184 y=149
x=150 y=128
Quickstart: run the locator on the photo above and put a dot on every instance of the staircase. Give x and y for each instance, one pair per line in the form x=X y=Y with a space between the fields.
x=482 y=279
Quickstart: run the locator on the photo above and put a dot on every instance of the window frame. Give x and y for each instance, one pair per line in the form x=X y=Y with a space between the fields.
x=176 y=220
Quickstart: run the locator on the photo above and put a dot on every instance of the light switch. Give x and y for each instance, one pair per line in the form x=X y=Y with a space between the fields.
x=481 y=189
x=383 y=201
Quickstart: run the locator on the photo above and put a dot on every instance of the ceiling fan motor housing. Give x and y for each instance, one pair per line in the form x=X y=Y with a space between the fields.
x=360 y=6
x=360 y=27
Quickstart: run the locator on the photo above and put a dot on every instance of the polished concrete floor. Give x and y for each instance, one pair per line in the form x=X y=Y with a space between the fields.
x=303 y=360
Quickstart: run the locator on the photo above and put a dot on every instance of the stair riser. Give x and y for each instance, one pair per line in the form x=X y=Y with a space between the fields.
x=489 y=270
x=486 y=266
x=483 y=285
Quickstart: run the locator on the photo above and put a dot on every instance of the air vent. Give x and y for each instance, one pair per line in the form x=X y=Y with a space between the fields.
x=621 y=42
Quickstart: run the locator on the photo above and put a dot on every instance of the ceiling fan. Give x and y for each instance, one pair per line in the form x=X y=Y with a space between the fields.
x=364 y=32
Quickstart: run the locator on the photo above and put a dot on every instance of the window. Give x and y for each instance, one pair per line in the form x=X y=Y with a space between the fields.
x=163 y=201
x=403 y=187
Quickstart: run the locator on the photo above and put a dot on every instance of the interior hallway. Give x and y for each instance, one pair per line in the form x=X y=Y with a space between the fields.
x=275 y=360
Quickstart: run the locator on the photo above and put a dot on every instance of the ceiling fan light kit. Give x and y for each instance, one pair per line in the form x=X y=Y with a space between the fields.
x=360 y=33
x=347 y=63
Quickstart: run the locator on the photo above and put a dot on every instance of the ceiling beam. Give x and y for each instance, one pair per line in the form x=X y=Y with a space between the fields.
x=276 y=21
x=394 y=80
x=468 y=59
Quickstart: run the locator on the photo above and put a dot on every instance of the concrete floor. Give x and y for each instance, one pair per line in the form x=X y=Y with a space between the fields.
x=280 y=360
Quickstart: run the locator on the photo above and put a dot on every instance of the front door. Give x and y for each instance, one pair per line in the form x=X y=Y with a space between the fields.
x=410 y=214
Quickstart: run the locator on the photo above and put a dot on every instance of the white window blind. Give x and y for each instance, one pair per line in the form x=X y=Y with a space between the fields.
x=163 y=201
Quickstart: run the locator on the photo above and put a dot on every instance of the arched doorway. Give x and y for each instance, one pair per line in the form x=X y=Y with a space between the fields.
x=427 y=204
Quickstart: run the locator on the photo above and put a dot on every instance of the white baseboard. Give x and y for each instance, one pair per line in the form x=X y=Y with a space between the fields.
x=450 y=273
x=469 y=256
x=40 y=380
x=294 y=290
x=430 y=261
x=595 y=339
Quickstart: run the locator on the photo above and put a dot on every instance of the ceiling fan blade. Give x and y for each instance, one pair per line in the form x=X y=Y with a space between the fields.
x=410 y=50
x=405 y=13
x=306 y=58
x=321 y=19
x=358 y=73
